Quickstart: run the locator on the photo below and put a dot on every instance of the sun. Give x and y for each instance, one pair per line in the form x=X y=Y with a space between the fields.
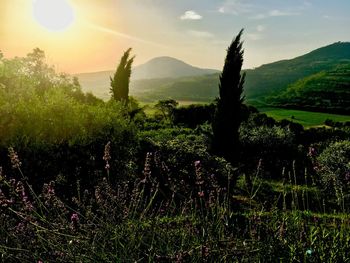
x=54 y=15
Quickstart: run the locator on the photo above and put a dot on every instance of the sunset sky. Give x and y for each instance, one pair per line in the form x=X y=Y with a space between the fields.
x=92 y=34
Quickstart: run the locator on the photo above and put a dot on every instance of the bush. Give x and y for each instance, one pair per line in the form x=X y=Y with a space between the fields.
x=273 y=145
x=334 y=168
x=57 y=137
x=179 y=149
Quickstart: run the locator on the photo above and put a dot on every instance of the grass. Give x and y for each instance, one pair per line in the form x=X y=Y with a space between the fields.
x=306 y=118
x=192 y=219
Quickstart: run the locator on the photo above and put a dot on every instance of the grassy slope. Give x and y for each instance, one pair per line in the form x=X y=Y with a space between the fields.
x=327 y=90
x=306 y=118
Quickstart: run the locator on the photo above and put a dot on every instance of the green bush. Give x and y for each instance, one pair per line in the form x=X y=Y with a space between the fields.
x=334 y=168
x=273 y=145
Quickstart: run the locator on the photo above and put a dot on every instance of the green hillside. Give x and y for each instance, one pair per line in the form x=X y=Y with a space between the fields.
x=196 y=88
x=323 y=91
x=273 y=78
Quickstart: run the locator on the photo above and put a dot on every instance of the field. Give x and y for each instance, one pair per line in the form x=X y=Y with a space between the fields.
x=306 y=118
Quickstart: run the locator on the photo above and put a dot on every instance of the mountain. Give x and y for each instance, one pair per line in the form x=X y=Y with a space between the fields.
x=168 y=67
x=164 y=69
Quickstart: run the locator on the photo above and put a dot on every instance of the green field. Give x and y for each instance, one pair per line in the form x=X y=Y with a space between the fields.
x=306 y=118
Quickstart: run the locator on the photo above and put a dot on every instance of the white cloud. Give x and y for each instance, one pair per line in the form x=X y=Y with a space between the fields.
x=282 y=13
x=260 y=28
x=235 y=7
x=191 y=15
x=258 y=16
x=202 y=34
x=274 y=13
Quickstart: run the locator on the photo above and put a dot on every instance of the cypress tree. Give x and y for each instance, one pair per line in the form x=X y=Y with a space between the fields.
x=227 y=118
x=121 y=79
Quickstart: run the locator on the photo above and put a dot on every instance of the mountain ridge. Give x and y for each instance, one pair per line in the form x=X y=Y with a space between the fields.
x=263 y=82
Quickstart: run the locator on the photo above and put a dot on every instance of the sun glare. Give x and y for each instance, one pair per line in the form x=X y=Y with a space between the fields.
x=54 y=15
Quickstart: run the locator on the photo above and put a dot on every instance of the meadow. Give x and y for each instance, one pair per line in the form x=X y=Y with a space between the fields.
x=305 y=118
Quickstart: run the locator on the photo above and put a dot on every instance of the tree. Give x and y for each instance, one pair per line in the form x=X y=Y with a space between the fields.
x=227 y=118
x=121 y=79
x=167 y=107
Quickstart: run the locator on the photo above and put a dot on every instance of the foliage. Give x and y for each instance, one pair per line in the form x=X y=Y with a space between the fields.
x=193 y=115
x=167 y=108
x=333 y=165
x=273 y=146
x=121 y=78
x=324 y=91
x=21 y=78
x=227 y=118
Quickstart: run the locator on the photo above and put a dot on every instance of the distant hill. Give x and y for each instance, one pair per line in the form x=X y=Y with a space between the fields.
x=324 y=91
x=194 y=88
x=156 y=73
x=172 y=81
x=168 y=67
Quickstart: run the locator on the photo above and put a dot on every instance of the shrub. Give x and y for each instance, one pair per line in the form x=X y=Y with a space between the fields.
x=334 y=168
x=273 y=145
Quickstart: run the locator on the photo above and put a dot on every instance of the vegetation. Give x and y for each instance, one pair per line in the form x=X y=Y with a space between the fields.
x=306 y=118
x=320 y=71
x=83 y=180
x=325 y=91
x=121 y=79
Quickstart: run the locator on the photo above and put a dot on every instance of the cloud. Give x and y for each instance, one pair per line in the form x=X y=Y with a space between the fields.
x=191 y=15
x=282 y=13
x=235 y=7
x=274 y=13
x=260 y=28
x=201 y=34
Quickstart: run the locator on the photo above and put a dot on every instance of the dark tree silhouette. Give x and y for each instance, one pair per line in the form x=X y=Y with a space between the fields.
x=227 y=118
x=121 y=79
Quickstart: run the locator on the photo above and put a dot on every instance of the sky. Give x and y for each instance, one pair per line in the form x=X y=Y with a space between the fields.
x=91 y=35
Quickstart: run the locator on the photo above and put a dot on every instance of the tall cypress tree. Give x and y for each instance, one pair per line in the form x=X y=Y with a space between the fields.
x=227 y=118
x=121 y=79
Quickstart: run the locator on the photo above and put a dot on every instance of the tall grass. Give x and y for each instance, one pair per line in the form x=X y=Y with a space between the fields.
x=154 y=220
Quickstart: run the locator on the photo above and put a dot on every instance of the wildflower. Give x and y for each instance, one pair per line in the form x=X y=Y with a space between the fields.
x=197 y=163
x=312 y=152
x=201 y=194
x=16 y=164
x=74 y=218
x=74 y=221
x=107 y=155
x=347 y=177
